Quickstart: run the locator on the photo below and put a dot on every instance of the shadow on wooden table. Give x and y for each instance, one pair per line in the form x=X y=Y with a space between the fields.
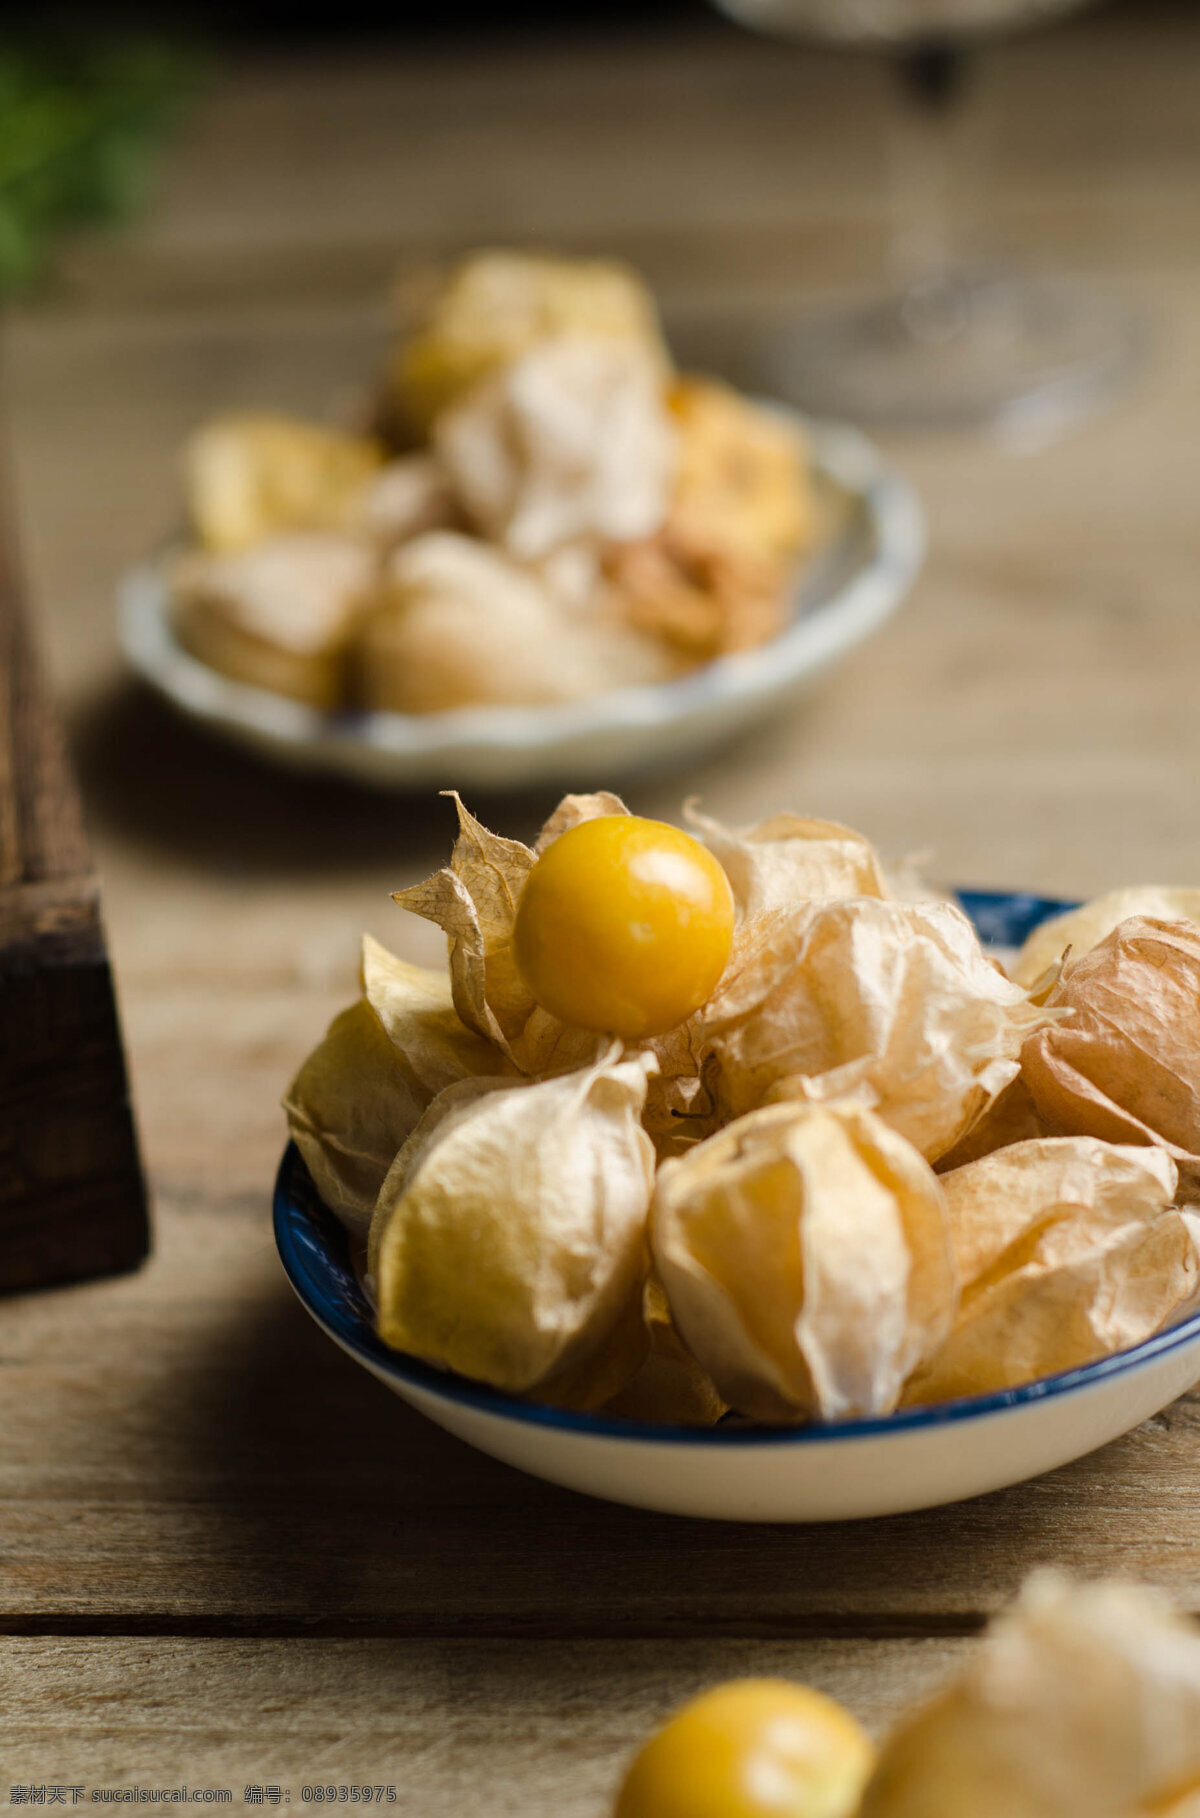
x=338 y=1509
x=151 y=776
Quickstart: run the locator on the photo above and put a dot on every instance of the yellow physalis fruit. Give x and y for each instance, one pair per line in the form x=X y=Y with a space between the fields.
x=624 y=926
x=755 y=1748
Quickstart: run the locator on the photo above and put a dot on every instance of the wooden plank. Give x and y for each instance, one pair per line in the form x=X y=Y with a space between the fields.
x=184 y=1452
x=71 y=1198
x=613 y=138
x=41 y=829
x=516 y=1729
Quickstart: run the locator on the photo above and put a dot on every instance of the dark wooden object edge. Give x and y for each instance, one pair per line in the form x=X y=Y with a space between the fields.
x=72 y=1200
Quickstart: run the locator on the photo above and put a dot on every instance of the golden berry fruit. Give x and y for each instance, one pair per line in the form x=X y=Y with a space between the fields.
x=624 y=926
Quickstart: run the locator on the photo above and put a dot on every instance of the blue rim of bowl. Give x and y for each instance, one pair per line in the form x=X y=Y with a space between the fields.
x=315 y=1252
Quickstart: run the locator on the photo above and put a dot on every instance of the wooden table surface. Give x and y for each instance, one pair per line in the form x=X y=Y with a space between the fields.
x=226 y=1555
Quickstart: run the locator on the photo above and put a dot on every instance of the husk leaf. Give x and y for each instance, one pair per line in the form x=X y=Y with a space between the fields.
x=1125 y=1066
x=1081 y=1702
x=892 y=1004
x=671 y=1386
x=1084 y=928
x=510 y=1231
x=251 y=474
x=416 y=1009
x=349 y=1109
x=569 y=444
x=805 y=1258
x=1010 y=1117
x=576 y=808
x=493 y=307
x=790 y=859
x=1067 y=1250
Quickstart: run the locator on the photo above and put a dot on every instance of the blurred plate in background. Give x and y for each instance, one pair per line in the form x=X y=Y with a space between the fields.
x=842 y=595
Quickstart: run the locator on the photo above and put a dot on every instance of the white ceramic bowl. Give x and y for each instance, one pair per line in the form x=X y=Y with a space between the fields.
x=915 y=1459
x=841 y=597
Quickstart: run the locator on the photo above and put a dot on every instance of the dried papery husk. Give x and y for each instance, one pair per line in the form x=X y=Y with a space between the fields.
x=495 y=306
x=1125 y=1066
x=671 y=1387
x=1068 y=1249
x=1081 y=1702
x=448 y=1108
x=252 y=474
x=457 y=623
x=415 y=1007
x=906 y=880
x=1043 y=985
x=569 y=444
x=806 y=1261
x=895 y=1005
x=1079 y=930
x=790 y=859
x=576 y=808
x=1010 y=1117
x=474 y=900
x=403 y=500
x=510 y=1232
x=681 y=1105
x=349 y=1109
x=362 y=1090
x=300 y=593
x=281 y=615
x=690 y=599
x=744 y=482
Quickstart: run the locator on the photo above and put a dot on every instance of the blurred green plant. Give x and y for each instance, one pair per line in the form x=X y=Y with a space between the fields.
x=78 y=127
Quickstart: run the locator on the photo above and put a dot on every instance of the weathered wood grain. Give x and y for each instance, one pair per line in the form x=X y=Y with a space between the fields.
x=550 y=1726
x=185 y=1453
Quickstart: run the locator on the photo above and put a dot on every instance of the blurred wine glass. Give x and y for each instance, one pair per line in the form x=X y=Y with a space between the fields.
x=952 y=342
